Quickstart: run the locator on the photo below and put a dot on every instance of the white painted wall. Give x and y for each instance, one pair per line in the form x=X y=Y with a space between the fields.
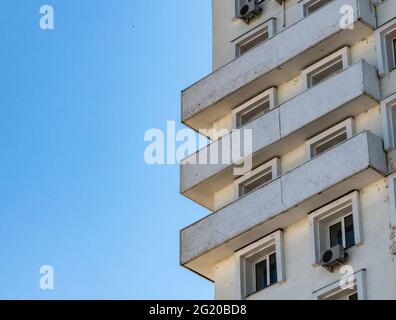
x=364 y=49
x=369 y=120
x=302 y=279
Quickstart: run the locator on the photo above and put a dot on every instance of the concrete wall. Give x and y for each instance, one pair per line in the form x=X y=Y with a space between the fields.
x=369 y=120
x=302 y=279
x=226 y=27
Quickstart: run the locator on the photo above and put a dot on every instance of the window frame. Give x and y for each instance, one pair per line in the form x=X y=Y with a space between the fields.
x=244 y=282
x=273 y=165
x=343 y=233
x=345 y=55
x=271 y=93
x=268 y=26
x=387 y=107
x=386 y=56
x=392 y=199
x=349 y=129
x=305 y=4
x=320 y=219
x=335 y=288
x=265 y=258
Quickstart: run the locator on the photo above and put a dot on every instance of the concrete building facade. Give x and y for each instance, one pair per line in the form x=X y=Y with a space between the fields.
x=314 y=82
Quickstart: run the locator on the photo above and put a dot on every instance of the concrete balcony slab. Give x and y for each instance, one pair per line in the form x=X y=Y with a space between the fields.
x=285 y=128
x=355 y=163
x=275 y=61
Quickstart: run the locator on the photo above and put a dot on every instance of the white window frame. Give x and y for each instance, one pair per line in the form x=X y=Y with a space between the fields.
x=344 y=53
x=320 y=220
x=336 y=288
x=389 y=128
x=385 y=54
x=305 y=4
x=392 y=199
x=349 y=125
x=268 y=27
x=273 y=165
x=271 y=94
x=242 y=263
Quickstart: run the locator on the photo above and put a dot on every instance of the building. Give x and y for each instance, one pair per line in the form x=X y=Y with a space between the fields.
x=315 y=82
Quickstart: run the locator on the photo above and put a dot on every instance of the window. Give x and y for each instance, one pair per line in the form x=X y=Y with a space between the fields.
x=335 y=223
x=326 y=68
x=329 y=138
x=265 y=271
x=258 y=177
x=255 y=37
x=388 y=114
x=386 y=47
x=354 y=290
x=392 y=200
x=254 y=108
x=310 y=6
x=260 y=264
x=342 y=232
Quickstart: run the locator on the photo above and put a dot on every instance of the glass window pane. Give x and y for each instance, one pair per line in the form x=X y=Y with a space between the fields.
x=315 y=6
x=349 y=231
x=329 y=142
x=353 y=296
x=326 y=73
x=394 y=51
x=335 y=234
x=273 y=271
x=261 y=275
x=254 y=112
x=256 y=40
x=255 y=182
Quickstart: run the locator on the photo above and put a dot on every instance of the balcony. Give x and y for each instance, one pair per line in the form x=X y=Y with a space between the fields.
x=286 y=127
x=274 y=62
x=349 y=166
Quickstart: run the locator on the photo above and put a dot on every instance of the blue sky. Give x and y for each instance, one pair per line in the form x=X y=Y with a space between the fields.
x=75 y=192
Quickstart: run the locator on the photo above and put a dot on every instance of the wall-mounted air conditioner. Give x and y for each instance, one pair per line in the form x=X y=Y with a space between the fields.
x=333 y=257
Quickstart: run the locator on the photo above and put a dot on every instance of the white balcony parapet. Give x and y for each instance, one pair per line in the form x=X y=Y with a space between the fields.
x=349 y=166
x=286 y=127
x=275 y=61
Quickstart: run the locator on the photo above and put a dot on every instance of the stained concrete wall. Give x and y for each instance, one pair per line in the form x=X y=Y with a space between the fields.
x=354 y=157
x=364 y=49
x=302 y=279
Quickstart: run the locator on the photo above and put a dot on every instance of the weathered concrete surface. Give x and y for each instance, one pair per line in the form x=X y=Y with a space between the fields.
x=275 y=61
x=288 y=125
x=353 y=164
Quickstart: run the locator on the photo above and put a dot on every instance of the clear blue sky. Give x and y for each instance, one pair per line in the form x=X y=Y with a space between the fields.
x=75 y=102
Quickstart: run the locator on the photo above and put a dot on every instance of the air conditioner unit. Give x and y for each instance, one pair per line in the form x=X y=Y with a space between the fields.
x=333 y=257
x=249 y=9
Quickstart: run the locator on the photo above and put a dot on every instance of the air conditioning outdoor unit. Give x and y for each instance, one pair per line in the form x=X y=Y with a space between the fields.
x=333 y=257
x=249 y=9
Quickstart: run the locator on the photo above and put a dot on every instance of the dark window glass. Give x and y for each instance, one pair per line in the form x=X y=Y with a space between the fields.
x=261 y=275
x=329 y=141
x=327 y=72
x=353 y=296
x=335 y=234
x=394 y=51
x=255 y=182
x=349 y=232
x=316 y=6
x=254 y=112
x=256 y=40
x=273 y=273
